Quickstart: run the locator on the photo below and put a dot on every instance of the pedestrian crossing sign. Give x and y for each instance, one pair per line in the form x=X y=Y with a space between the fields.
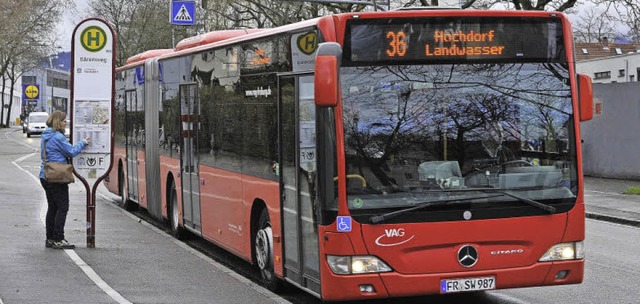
x=183 y=12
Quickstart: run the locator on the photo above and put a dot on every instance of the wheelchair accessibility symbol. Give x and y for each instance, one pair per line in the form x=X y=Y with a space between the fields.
x=344 y=223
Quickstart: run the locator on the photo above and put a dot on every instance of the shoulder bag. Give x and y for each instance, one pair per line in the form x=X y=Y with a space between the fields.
x=55 y=172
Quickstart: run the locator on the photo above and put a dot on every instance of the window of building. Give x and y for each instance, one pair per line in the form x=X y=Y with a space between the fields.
x=28 y=79
x=602 y=75
x=58 y=82
x=621 y=73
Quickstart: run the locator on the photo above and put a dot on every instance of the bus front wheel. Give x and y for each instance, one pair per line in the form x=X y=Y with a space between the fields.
x=264 y=252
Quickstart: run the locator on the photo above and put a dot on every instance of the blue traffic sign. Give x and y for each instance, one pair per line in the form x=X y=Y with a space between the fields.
x=183 y=12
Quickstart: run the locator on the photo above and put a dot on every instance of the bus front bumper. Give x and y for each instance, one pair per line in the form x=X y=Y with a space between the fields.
x=393 y=284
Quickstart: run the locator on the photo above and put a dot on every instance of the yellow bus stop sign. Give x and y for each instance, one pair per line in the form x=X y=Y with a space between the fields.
x=93 y=38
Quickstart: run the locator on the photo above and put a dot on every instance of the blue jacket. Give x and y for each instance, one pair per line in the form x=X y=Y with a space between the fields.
x=58 y=148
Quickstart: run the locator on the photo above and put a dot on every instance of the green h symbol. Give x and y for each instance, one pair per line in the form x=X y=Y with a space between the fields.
x=309 y=41
x=93 y=38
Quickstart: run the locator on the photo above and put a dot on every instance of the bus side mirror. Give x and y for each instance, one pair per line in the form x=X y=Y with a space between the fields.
x=585 y=91
x=327 y=69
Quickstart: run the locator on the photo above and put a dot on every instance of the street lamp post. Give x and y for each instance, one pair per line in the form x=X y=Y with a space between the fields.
x=52 y=98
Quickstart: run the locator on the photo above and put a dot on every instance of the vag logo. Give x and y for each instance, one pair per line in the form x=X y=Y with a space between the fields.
x=393 y=237
x=394 y=232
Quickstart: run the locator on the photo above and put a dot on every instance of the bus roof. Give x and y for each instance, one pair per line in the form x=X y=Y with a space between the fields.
x=212 y=37
x=448 y=12
x=226 y=37
x=140 y=58
x=147 y=54
x=255 y=34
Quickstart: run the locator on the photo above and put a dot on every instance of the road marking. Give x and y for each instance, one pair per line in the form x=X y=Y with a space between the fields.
x=6 y=135
x=95 y=277
x=507 y=298
x=72 y=253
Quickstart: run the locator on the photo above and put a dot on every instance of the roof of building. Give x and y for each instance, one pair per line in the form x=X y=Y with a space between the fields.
x=590 y=50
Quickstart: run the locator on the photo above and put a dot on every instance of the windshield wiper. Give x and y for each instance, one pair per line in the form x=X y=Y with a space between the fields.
x=544 y=207
x=377 y=219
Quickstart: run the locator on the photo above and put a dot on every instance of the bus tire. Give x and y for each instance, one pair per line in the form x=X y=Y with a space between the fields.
x=264 y=252
x=174 y=214
x=124 y=201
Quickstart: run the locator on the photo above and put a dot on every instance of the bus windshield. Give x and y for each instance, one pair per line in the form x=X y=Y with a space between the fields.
x=417 y=133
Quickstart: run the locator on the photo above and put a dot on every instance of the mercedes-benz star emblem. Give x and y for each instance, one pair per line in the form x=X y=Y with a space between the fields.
x=467 y=256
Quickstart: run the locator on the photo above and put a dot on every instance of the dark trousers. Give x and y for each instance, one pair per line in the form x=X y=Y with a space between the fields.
x=58 y=206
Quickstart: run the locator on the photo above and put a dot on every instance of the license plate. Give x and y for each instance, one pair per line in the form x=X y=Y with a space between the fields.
x=470 y=284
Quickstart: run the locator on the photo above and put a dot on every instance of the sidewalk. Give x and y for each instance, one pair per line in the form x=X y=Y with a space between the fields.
x=604 y=201
x=133 y=262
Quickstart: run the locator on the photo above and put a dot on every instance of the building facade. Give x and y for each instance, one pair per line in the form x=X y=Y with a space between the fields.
x=11 y=102
x=620 y=68
x=53 y=88
x=608 y=62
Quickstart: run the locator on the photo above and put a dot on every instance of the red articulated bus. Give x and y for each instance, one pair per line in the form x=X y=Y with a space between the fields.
x=368 y=155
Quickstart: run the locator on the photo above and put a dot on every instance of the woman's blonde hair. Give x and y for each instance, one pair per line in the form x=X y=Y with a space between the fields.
x=55 y=120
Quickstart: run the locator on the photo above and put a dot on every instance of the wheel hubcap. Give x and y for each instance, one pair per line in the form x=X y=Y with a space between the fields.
x=174 y=211
x=263 y=247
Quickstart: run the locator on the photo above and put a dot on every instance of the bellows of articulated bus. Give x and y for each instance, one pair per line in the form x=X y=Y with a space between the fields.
x=190 y=42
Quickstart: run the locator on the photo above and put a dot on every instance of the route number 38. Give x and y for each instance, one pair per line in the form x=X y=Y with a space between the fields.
x=397 y=46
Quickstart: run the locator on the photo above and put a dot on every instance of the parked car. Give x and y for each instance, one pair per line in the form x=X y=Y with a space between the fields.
x=37 y=123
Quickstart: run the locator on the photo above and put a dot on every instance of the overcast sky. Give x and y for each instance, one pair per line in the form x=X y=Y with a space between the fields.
x=70 y=19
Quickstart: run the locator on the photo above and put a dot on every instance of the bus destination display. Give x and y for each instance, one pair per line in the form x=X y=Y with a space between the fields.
x=447 y=39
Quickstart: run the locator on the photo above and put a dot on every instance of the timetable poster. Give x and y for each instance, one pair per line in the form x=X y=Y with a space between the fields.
x=91 y=120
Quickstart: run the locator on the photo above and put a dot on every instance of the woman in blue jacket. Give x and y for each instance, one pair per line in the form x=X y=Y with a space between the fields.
x=58 y=150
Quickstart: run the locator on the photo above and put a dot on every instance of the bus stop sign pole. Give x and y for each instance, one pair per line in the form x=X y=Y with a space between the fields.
x=93 y=53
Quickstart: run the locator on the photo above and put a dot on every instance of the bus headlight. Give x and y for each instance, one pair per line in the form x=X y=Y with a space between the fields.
x=564 y=251
x=356 y=264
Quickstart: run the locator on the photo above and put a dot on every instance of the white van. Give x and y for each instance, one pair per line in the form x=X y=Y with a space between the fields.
x=37 y=123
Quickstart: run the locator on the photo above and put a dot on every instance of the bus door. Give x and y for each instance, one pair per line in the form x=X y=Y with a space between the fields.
x=132 y=129
x=190 y=114
x=298 y=180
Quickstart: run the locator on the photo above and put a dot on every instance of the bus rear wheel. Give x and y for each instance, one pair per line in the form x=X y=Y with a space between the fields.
x=124 y=200
x=174 y=214
x=264 y=252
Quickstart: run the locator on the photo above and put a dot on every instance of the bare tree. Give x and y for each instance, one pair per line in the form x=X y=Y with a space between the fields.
x=626 y=12
x=593 y=24
x=143 y=25
x=25 y=37
x=272 y=13
x=139 y=25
